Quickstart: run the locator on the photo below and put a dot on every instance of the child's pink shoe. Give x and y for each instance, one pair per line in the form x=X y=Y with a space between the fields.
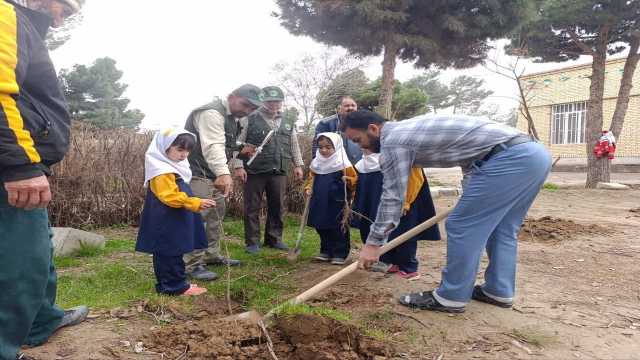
x=194 y=290
x=393 y=269
x=409 y=276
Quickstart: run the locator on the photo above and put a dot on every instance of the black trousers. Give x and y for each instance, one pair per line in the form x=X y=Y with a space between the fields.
x=334 y=243
x=170 y=274
x=274 y=186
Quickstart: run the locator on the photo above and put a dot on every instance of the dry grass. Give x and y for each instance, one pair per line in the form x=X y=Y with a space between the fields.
x=99 y=182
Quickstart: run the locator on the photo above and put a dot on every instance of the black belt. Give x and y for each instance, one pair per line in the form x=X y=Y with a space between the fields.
x=520 y=139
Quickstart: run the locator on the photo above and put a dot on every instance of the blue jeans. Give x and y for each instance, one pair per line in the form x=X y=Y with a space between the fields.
x=488 y=216
x=28 y=314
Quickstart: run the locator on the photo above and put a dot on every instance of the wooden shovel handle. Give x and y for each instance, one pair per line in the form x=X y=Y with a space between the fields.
x=330 y=281
x=305 y=215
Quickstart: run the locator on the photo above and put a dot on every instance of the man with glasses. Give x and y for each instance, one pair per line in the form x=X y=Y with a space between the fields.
x=34 y=134
x=216 y=127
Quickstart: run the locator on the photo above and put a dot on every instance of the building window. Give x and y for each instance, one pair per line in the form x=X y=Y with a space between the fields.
x=568 y=122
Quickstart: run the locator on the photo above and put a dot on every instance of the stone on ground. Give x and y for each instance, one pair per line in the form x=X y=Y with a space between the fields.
x=611 y=186
x=66 y=240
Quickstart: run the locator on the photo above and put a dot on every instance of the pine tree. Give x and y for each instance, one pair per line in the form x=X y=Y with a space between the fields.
x=94 y=95
x=444 y=33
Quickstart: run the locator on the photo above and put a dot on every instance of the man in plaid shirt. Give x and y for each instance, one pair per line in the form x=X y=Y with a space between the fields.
x=504 y=170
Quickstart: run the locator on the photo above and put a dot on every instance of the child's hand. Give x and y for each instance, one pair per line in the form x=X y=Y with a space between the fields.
x=307 y=192
x=207 y=204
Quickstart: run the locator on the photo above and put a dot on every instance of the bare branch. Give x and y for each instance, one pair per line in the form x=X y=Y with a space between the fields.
x=586 y=50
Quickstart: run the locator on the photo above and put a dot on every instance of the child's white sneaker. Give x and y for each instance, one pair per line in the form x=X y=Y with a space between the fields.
x=338 y=261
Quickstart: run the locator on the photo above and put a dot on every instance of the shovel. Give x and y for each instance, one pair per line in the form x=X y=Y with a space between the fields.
x=295 y=252
x=255 y=317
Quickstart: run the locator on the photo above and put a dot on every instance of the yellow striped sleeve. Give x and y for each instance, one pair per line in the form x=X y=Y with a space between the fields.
x=414 y=185
x=8 y=83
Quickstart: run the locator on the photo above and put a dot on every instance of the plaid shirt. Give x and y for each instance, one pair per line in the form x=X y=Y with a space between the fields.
x=428 y=141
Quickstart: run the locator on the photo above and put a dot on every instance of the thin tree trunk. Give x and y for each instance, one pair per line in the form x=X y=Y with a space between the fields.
x=597 y=169
x=617 y=122
x=531 y=127
x=388 y=79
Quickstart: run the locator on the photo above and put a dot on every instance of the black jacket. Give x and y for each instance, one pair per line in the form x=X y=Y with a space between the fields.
x=34 y=120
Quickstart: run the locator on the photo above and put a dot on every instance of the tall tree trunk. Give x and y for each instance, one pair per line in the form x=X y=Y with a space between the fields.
x=388 y=78
x=597 y=169
x=617 y=122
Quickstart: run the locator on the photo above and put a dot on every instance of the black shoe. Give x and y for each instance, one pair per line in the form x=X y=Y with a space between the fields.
x=425 y=301
x=201 y=273
x=225 y=261
x=252 y=249
x=22 y=356
x=479 y=295
x=74 y=316
x=278 y=246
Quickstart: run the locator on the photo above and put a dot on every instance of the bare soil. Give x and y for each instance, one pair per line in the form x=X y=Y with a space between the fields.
x=577 y=299
x=299 y=337
x=550 y=229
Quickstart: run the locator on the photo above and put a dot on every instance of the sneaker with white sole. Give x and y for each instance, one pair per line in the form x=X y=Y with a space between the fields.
x=408 y=276
x=322 y=257
x=338 y=261
x=23 y=356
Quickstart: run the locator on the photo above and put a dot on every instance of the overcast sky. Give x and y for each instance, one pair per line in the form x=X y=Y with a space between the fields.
x=177 y=55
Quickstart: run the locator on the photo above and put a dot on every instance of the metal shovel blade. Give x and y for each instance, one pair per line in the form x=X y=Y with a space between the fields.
x=293 y=254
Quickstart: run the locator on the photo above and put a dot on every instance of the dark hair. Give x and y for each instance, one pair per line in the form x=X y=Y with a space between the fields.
x=361 y=120
x=322 y=137
x=185 y=142
x=341 y=98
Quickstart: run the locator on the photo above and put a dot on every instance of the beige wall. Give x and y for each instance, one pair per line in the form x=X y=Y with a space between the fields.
x=572 y=85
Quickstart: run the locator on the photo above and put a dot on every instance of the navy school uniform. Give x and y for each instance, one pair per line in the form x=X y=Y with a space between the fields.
x=169 y=233
x=325 y=214
x=367 y=199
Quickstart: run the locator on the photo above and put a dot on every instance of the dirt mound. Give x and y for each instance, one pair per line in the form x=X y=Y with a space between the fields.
x=550 y=229
x=299 y=337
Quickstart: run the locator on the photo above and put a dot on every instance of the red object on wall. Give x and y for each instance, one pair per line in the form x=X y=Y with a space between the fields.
x=606 y=146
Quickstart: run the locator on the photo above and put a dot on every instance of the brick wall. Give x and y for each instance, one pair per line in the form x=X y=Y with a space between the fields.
x=572 y=85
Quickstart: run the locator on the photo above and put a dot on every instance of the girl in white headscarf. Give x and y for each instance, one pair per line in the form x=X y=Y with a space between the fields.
x=171 y=225
x=330 y=169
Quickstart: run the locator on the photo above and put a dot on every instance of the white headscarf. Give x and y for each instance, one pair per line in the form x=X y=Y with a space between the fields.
x=156 y=161
x=369 y=163
x=336 y=162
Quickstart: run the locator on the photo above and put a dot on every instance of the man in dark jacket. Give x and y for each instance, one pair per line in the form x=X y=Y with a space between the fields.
x=34 y=134
x=332 y=124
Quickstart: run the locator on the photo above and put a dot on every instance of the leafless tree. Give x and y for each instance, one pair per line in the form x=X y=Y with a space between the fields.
x=514 y=70
x=303 y=79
